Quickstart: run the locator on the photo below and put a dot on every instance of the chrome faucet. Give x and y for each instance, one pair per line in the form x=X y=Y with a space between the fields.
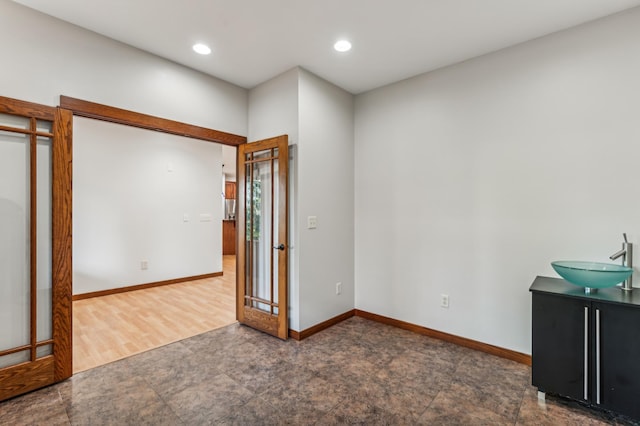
x=627 y=260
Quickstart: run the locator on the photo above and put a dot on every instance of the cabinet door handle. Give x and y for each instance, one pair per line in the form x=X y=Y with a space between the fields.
x=597 y=356
x=586 y=353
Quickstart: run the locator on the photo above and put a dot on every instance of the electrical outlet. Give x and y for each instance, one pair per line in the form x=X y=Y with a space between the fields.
x=312 y=222
x=144 y=265
x=444 y=300
x=338 y=288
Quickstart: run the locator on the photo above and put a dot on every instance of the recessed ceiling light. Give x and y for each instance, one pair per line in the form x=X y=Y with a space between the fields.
x=342 y=46
x=202 y=49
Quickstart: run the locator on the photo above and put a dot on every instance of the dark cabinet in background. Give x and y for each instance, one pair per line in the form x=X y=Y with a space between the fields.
x=228 y=237
x=230 y=190
x=229 y=224
x=587 y=347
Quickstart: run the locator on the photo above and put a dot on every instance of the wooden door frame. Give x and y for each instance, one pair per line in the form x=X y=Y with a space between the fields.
x=88 y=109
x=39 y=372
x=59 y=366
x=111 y=114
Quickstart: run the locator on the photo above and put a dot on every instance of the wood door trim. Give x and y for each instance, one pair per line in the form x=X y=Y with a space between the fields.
x=257 y=319
x=24 y=108
x=261 y=145
x=283 y=237
x=61 y=228
x=119 y=290
x=23 y=378
x=111 y=114
x=26 y=132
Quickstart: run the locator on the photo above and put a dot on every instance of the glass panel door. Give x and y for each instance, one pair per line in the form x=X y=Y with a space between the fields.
x=35 y=144
x=262 y=259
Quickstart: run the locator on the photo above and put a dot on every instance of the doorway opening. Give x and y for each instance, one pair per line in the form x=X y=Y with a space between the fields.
x=162 y=240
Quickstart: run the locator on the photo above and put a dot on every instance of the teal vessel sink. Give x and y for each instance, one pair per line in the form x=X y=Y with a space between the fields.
x=592 y=275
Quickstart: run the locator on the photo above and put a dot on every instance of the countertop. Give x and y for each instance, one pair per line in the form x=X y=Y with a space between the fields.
x=560 y=287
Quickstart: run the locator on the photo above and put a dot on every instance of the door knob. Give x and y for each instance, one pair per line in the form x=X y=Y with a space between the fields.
x=280 y=247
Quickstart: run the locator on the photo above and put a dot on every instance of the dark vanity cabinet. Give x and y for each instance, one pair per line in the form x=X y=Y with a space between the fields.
x=587 y=347
x=558 y=345
x=620 y=358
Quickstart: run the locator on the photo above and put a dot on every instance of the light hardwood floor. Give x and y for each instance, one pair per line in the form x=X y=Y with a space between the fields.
x=113 y=327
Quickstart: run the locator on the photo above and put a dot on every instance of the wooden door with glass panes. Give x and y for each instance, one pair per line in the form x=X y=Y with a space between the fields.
x=35 y=246
x=262 y=257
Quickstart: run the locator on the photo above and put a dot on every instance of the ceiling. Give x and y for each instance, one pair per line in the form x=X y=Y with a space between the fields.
x=255 y=40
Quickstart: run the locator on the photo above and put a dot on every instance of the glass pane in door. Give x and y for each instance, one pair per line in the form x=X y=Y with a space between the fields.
x=274 y=226
x=14 y=242
x=15 y=358
x=43 y=244
x=15 y=121
x=259 y=238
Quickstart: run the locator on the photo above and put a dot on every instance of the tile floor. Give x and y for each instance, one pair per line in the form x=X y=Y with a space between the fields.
x=356 y=372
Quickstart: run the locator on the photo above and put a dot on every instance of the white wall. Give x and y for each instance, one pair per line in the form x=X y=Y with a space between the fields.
x=273 y=108
x=45 y=58
x=471 y=179
x=325 y=190
x=273 y=111
x=132 y=189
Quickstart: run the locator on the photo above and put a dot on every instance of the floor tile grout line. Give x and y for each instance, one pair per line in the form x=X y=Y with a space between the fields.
x=524 y=393
x=166 y=404
x=164 y=401
x=66 y=411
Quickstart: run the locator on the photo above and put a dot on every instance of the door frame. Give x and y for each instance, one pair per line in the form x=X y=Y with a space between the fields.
x=26 y=377
x=29 y=376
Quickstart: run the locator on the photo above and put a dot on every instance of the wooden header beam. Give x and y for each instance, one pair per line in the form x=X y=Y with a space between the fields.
x=130 y=118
